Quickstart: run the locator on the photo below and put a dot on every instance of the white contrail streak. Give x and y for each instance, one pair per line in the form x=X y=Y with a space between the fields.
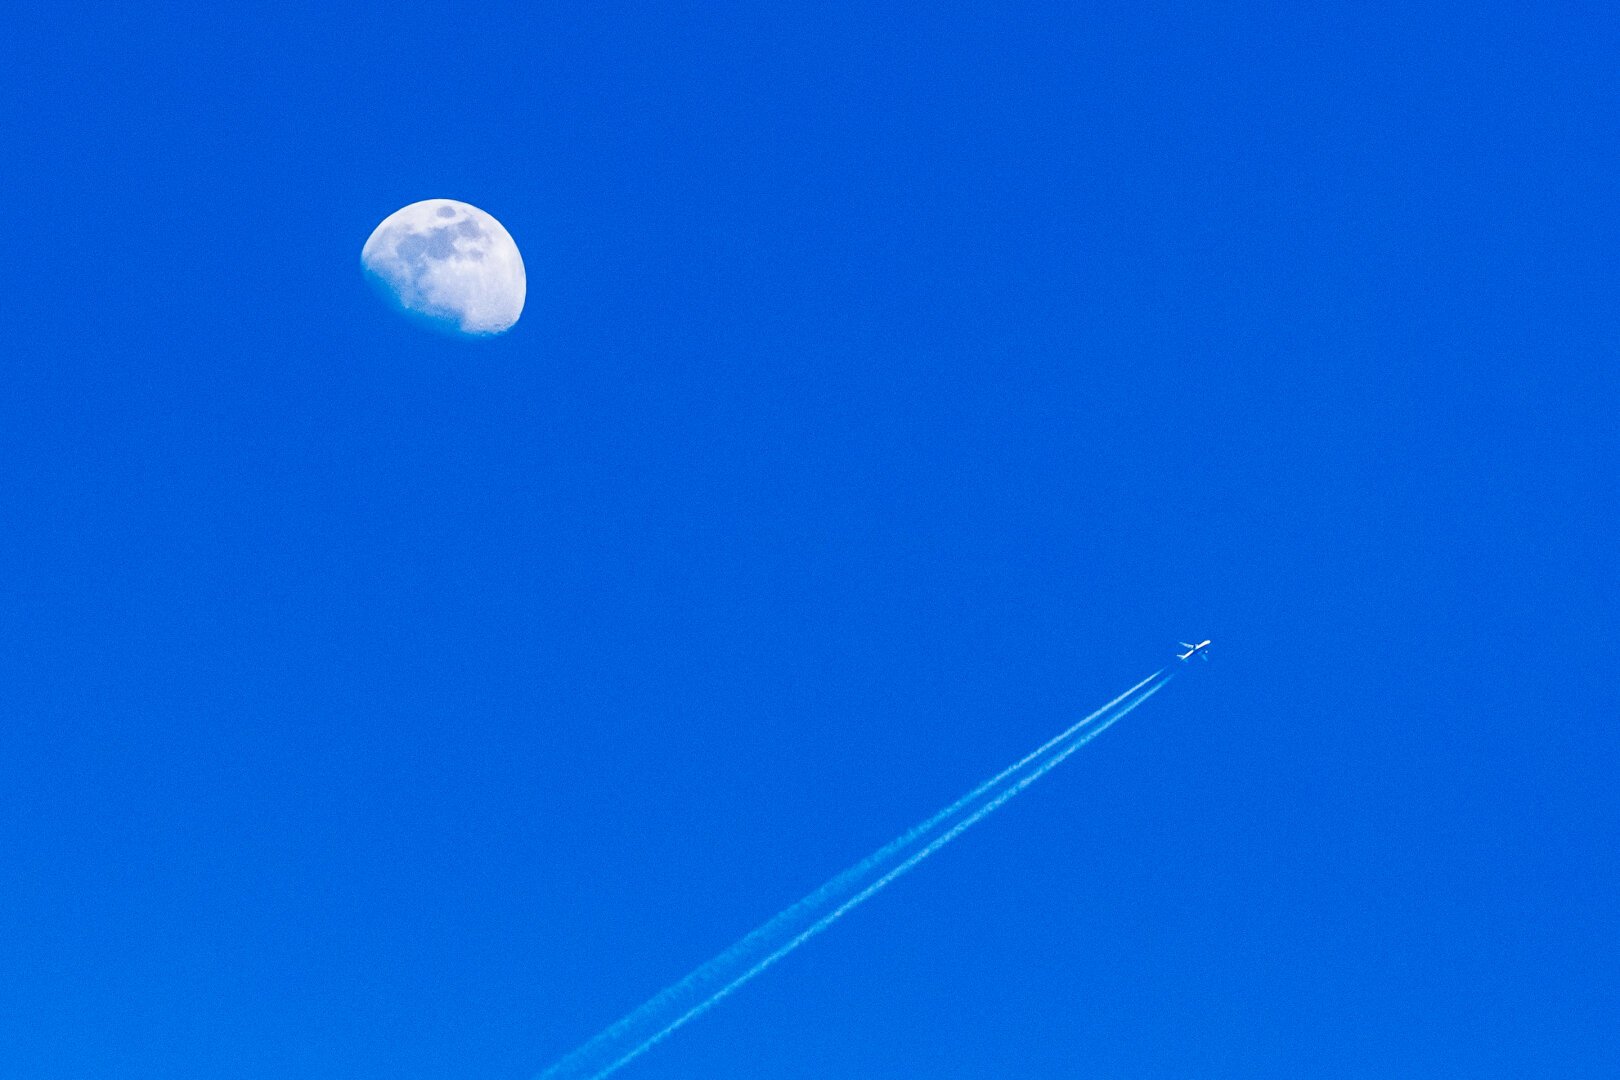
x=641 y=1030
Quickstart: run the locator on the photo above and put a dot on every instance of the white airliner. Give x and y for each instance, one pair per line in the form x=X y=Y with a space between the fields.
x=1193 y=650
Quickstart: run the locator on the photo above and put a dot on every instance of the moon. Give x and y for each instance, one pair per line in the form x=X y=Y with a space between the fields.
x=448 y=263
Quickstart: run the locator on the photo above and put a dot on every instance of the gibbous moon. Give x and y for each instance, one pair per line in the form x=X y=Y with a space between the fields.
x=449 y=263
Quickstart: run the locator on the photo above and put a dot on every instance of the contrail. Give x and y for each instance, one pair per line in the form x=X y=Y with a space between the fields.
x=635 y=1034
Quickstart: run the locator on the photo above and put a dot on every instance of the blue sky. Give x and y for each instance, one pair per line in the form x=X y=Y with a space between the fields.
x=895 y=386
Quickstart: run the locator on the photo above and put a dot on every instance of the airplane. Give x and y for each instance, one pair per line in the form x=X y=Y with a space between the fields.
x=1193 y=650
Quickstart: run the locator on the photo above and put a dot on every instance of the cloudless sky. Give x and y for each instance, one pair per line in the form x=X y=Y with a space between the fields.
x=896 y=385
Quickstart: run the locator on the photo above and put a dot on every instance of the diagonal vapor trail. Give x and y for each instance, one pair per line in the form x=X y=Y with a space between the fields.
x=639 y=1031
